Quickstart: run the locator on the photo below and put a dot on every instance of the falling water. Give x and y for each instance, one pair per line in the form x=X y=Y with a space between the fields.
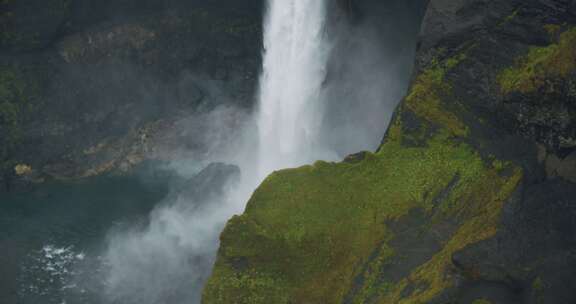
x=170 y=259
x=294 y=68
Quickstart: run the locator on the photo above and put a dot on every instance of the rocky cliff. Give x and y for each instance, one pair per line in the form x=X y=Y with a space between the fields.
x=470 y=197
x=88 y=87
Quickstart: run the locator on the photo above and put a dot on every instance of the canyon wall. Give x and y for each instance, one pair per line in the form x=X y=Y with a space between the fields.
x=90 y=87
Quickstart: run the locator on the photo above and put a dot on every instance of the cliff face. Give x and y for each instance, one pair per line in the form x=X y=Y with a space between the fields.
x=88 y=87
x=469 y=199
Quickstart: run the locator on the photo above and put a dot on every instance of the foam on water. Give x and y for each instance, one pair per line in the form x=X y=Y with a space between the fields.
x=49 y=273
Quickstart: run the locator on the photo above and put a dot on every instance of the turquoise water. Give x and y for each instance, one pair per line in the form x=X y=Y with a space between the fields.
x=50 y=237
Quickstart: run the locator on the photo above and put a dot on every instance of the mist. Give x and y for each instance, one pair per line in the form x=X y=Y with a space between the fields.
x=373 y=49
x=167 y=258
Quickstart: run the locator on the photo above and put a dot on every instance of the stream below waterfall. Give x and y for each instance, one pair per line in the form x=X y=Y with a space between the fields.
x=47 y=235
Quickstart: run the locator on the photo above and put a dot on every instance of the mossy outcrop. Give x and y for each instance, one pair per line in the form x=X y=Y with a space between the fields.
x=324 y=233
x=546 y=76
x=542 y=65
x=454 y=207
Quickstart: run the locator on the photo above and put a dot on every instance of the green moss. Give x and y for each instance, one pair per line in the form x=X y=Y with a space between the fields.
x=481 y=301
x=428 y=91
x=371 y=287
x=249 y=287
x=538 y=288
x=538 y=284
x=508 y=18
x=542 y=64
x=306 y=232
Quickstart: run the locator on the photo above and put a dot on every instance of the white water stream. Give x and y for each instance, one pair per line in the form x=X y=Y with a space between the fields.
x=295 y=59
x=169 y=261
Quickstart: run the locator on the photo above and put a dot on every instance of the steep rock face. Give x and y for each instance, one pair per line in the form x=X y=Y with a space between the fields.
x=88 y=86
x=469 y=199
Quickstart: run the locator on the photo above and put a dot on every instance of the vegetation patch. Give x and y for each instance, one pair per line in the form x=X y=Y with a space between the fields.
x=322 y=234
x=508 y=19
x=428 y=91
x=534 y=70
x=307 y=233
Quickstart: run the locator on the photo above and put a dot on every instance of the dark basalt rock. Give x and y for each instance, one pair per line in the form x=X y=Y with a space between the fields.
x=533 y=253
x=523 y=260
x=103 y=82
x=499 y=35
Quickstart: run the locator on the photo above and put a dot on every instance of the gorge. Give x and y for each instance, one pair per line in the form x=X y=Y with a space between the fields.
x=210 y=151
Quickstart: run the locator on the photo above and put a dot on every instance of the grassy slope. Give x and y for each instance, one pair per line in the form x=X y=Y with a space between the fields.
x=313 y=234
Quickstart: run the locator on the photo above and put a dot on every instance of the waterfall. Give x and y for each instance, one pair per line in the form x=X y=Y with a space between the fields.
x=167 y=257
x=295 y=59
x=170 y=258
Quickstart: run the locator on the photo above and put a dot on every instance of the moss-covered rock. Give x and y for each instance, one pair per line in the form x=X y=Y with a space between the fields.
x=428 y=90
x=323 y=233
x=540 y=88
x=542 y=65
